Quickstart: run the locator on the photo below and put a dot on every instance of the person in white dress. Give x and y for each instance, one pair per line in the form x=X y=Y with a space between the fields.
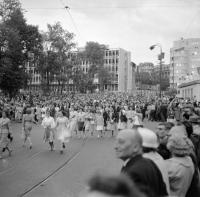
x=5 y=129
x=49 y=124
x=63 y=133
x=73 y=120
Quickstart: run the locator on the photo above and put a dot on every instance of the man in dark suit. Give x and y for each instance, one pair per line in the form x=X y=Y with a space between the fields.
x=142 y=171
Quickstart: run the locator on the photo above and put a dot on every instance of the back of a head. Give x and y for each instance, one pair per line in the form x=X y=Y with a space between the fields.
x=110 y=185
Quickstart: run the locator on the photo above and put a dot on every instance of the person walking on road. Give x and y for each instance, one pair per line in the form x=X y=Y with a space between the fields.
x=27 y=123
x=5 y=132
x=63 y=133
x=49 y=124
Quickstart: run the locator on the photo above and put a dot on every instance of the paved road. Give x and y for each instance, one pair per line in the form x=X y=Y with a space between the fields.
x=40 y=172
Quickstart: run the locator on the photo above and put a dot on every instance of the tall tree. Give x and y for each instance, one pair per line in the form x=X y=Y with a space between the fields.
x=17 y=40
x=58 y=42
x=94 y=53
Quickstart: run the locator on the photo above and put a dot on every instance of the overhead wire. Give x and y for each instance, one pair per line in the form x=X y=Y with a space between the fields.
x=72 y=19
x=121 y=7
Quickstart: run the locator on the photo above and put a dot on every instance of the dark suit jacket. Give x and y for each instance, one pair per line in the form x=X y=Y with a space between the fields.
x=146 y=175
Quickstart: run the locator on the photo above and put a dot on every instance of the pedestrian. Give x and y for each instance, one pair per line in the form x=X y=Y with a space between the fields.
x=63 y=132
x=27 y=124
x=150 y=145
x=142 y=171
x=99 y=124
x=49 y=124
x=163 y=134
x=5 y=132
x=180 y=166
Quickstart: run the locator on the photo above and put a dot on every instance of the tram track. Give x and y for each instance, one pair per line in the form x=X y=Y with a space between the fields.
x=54 y=172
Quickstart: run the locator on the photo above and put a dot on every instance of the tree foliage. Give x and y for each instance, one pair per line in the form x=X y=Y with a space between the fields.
x=54 y=65
x=17 y=40
x=94 y=54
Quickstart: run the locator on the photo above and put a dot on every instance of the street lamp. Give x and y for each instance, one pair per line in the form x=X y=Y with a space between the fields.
x=160 y=57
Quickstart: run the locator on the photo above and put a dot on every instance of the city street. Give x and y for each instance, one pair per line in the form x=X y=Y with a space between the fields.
x=40 y=172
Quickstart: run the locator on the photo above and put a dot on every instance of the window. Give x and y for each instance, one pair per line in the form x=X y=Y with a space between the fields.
x=116 y=68
x=113 y=68
x=116 y=77
x=117 y=60
x=117 y=52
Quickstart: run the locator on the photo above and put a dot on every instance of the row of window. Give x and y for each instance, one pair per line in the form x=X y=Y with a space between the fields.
x=187 y=93
x=111 y=61
x=36 y=79
x=112 y=68
x=113 y=53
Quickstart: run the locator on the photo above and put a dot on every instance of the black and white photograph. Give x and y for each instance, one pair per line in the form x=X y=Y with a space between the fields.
x=99 y=98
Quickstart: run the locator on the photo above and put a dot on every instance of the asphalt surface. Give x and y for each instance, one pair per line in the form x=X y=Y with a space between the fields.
x=40 y=172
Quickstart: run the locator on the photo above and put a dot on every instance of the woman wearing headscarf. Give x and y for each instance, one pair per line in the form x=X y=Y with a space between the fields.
x=27 y=123
x=181 y=167
x=5 y=132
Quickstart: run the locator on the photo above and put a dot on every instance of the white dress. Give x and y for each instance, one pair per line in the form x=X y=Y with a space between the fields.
x=49 y=124
x=73 y=121
x=62 y=129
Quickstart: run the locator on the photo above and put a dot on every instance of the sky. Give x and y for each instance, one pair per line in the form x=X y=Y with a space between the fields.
x=133 y=25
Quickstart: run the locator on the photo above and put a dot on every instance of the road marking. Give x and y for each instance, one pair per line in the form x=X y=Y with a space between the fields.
x=56 y=171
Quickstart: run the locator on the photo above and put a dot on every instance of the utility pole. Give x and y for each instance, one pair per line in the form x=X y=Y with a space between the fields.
x=160 y=57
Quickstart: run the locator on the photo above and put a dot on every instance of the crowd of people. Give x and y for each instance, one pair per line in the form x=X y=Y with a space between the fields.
x=164 y=162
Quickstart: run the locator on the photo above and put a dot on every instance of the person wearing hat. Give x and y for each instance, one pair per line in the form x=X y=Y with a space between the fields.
x=150 y=145
x=180 y=166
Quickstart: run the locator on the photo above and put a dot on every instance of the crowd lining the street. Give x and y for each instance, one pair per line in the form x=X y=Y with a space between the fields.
x=164 y=162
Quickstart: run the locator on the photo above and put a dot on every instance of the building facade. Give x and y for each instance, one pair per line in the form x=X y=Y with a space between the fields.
x=165 y=72
x=184 y=61
x=190 y=90
x=145 y=67
x=116 y=61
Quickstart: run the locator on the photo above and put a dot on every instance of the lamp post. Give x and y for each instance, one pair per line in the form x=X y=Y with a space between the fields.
x=160 y=57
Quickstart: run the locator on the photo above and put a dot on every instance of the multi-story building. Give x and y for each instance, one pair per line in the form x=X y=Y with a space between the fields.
x=116 y=61
x=145 y=67
x=184 y=61
x=165 y=72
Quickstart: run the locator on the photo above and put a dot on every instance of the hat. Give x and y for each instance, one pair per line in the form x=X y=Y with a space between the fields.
x=179 y=145
x=195 y=119
x=149 y=138
x=178 y=130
